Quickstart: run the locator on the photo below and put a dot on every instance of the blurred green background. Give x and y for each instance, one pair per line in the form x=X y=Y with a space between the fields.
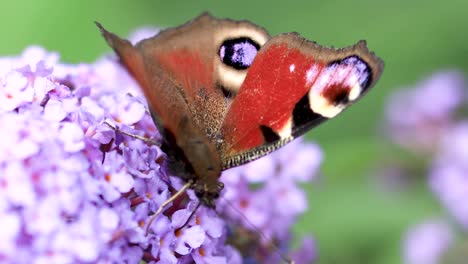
x=353 y=219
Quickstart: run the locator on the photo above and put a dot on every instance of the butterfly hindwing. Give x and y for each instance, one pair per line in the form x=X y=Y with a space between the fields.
x=293 y=85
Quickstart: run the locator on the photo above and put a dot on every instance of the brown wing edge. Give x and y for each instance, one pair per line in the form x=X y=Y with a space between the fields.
x=127 y=53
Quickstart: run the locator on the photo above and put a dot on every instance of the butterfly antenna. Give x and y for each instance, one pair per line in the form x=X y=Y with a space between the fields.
x=256 y=229
x=148 y=141
x=190 y=217
x=168 y=201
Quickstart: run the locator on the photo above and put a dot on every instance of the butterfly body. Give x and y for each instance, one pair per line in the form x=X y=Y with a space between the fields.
x=223 y=92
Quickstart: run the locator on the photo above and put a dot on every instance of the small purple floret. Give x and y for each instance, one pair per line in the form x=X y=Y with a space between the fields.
x=426 y=243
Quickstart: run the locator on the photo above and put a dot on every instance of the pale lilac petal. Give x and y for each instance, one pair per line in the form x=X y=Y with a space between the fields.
x=307 y=253
x=45 y=217
x=34 y=54
x=132 y=255
x=72 y=137
x=85 y=249
x=54 y=258
x=122 y=181
x=180 y=217
x=15 y=92
x=427 y=242
x=20 y=190
x=213 y=225
x=91 y=106
x=110 y=193
x=24 y=148
x=131 y=113
x=304 y=162
x=191 y=237
x=167 y=257
x=42 y=86
x=417 y=124
x=10 y=224
x=53 y=111
x=258 y=170
x=450 y=184
x=454 y=144
x=108 y=218
x=289 y=198
x=212 y=259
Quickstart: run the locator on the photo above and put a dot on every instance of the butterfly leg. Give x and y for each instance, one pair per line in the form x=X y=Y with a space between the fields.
x=170 y=200
x=189 y=218
x=148 y=141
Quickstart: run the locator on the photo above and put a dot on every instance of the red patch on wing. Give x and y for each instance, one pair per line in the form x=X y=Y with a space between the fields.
x=189 y=69
x=275 y=82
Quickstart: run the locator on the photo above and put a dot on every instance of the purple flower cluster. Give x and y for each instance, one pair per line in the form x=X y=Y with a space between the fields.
x=418 y=117
x=274 y=207
x=430 y=120
x=449 y=174
x=74 y=190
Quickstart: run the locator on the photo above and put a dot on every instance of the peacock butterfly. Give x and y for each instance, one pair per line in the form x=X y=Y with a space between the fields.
x=223 y=92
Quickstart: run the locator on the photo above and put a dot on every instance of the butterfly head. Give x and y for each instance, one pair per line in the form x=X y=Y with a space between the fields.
x=208 y=193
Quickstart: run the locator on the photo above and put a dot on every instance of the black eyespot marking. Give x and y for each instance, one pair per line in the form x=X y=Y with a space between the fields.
x=303 y=116
x=341 y=98
x=226 y=92
x=269 y=135
x=238 y=53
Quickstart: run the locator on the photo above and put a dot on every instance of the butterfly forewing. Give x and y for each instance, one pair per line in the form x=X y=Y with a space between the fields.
x=293 y=85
